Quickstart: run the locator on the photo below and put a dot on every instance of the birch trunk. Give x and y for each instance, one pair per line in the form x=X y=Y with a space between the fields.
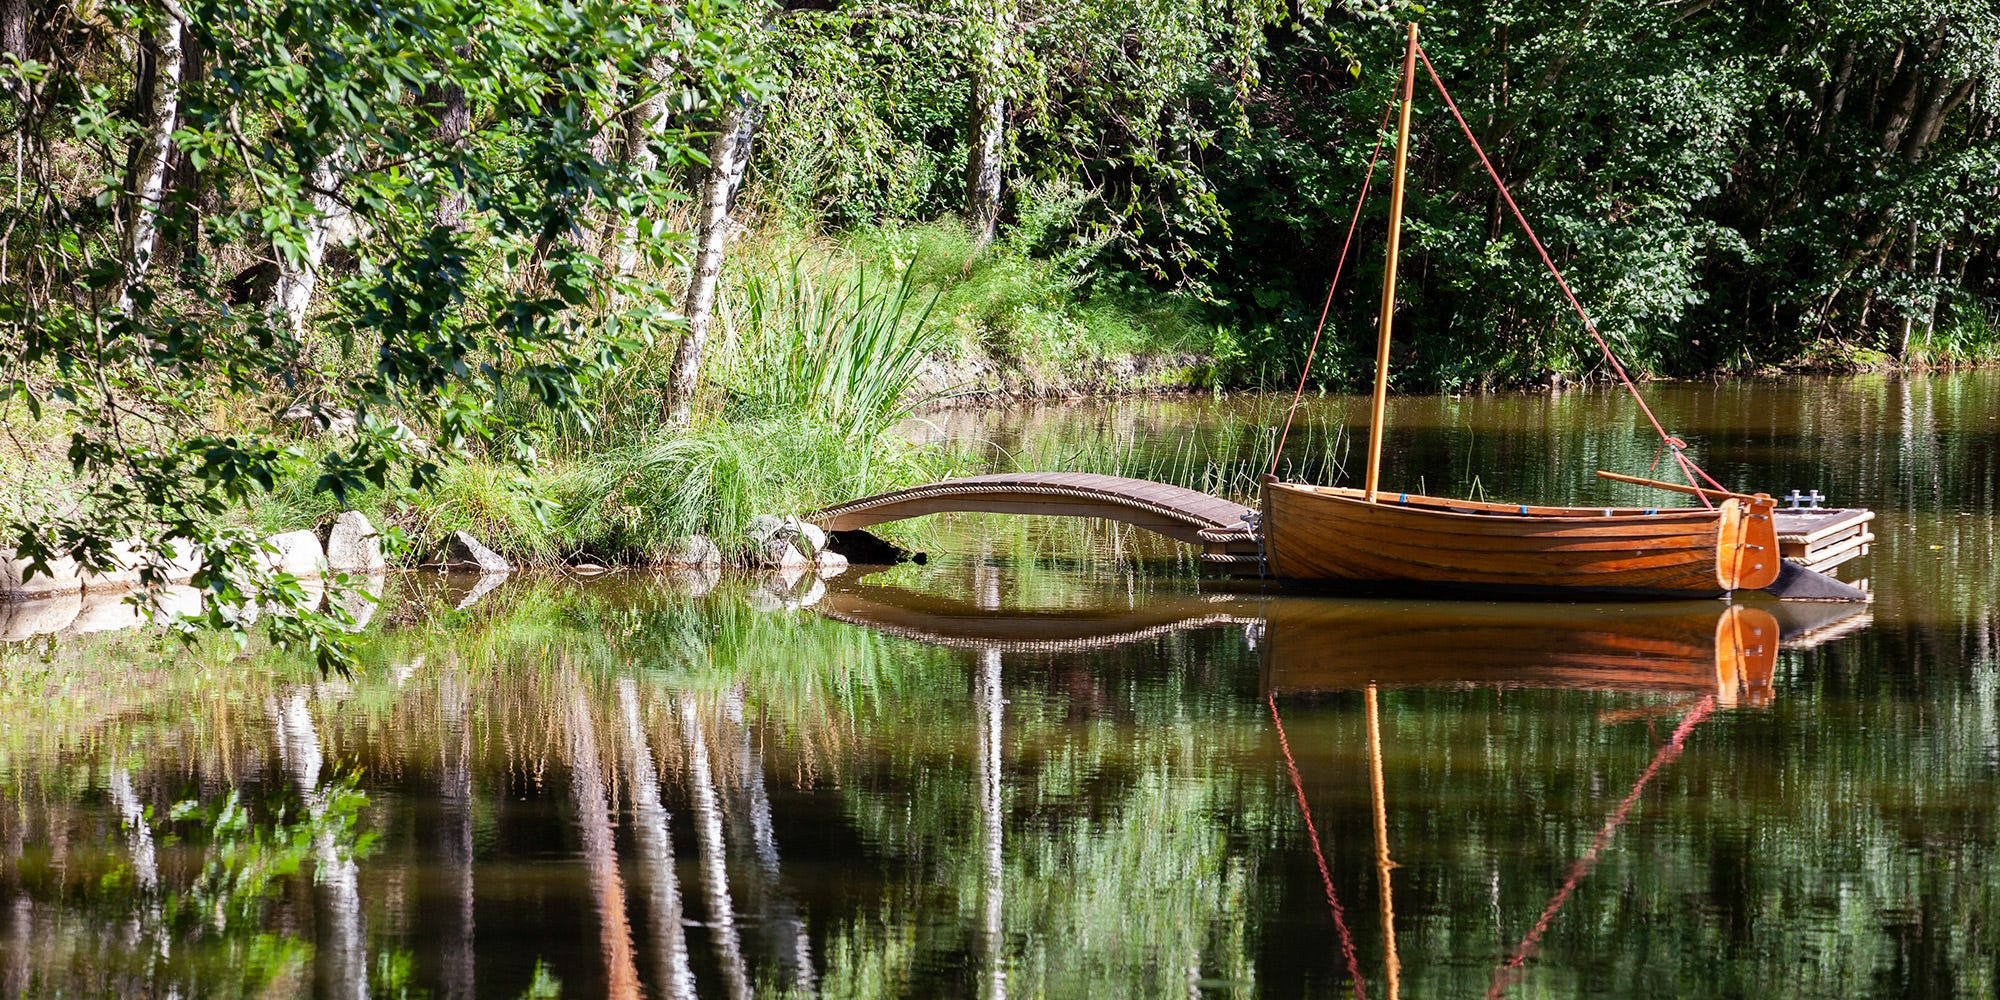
x=458 y=970
x=454 y=118
x=714 y=856
x=642 y=125
x=146 y=187
x=991 y=709
x=341 y=955
x=989 y=123
x=298 y=275
x=784 y=927
x=728 y=156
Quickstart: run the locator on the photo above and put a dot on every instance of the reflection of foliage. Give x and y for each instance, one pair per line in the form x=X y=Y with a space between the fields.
x=215 y=934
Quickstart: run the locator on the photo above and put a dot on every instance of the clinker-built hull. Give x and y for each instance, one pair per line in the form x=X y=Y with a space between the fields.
x=1336 y=537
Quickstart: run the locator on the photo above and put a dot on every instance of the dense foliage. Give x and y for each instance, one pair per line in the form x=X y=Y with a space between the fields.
x=420 y=222
x=461 y=232
x=1728 y=186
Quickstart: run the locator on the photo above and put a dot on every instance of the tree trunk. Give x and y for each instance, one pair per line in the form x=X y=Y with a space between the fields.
x=1945 y=98
x=642 y=124
x=454 y=119
x=713 y=852
x=146 y=186
x=340 y=957
x=14 y=28
x=298 y=276
x=728 y=157
x=457 y=970
x=989 y=123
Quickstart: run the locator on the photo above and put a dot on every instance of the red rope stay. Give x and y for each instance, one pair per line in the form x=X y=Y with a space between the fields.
x=1325 y=873
x=1687 y=466
x=1340 y=265
x=1507 y=973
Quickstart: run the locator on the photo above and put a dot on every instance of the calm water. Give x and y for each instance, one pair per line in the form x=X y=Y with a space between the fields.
x=1055 y=762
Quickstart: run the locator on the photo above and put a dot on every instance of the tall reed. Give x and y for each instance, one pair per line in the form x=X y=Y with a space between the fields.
x=834 y=345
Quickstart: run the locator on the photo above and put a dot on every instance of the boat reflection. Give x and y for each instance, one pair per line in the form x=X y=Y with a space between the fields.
x=1310 y=644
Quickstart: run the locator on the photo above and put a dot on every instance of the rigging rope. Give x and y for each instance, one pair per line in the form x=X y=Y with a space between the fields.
x=1687 y=465
x=1581 y=868
x=1325 y=873
x=1380 y=135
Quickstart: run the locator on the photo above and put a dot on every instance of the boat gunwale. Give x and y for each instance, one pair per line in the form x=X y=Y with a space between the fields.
x=1425 y=504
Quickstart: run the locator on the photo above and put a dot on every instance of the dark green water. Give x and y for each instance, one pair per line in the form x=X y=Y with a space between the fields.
x=1047 y=763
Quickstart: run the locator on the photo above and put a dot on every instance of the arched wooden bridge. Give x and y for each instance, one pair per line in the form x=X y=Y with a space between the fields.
x=1221 y=527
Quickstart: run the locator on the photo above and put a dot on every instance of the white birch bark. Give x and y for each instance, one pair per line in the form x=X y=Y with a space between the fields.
x=785 y=929
x=298 y=277
x=455 y=779
x=643 y=124
x=728 y=157
x=147 y=187
x=991 y=708
x=987 y=137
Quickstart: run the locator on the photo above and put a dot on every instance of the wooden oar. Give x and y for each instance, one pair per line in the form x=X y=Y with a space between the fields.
x=1675 y=487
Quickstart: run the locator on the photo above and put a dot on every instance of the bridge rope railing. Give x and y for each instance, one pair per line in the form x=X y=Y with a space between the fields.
x=1209 y=528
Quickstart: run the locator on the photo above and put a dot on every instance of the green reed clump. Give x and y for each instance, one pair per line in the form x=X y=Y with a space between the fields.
x=636 y=502
x=834 y=345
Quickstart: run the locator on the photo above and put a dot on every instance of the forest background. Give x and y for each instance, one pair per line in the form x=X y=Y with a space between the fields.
x=587 y=278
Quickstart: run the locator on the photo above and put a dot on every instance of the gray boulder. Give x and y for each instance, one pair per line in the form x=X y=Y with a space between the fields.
x=462 y=551
x=694 y=552
x=694 y=581
x=15 y=585
x=761 y=529
x=105 y=613
x=781 y=554
x=353 y=546
x=830 y=564
x=486 y=583
x=183 y=559
x=295 y=552
x=360 y=600
x=127 y=557
x=811 y=537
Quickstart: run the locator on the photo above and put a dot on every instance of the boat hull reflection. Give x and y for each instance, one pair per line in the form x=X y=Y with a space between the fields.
x=1728 y=650
x=1312 y=644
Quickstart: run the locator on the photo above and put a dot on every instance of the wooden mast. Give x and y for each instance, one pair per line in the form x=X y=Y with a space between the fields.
x=1389 y=272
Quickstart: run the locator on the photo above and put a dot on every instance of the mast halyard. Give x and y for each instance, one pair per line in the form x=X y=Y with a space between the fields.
x=1389 y=273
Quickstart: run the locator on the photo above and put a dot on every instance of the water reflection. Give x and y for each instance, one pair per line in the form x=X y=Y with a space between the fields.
x=1033 y=773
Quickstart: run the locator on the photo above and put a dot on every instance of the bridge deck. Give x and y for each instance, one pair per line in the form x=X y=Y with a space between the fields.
x=1219 y=526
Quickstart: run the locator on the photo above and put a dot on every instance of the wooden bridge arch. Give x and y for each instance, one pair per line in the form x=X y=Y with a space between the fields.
x=1221 y=527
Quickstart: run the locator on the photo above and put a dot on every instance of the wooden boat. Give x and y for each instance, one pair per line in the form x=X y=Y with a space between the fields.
x=1372 y=538
x=1329 y=535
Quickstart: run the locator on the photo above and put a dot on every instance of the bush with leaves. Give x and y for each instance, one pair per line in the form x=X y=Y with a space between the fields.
x=429 y=218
